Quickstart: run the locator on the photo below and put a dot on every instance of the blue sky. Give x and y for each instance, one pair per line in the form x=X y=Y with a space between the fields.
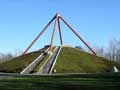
x=97 y=21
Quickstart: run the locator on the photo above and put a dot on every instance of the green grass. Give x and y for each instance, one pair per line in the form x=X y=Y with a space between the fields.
x=40 y=64
x=71 y=60
x=17 y=64
x=106 y=81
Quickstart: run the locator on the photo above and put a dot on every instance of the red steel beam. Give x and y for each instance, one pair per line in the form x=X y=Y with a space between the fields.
x=78 y=36
x=39 y=35
x=53 y=34
x=60 y=33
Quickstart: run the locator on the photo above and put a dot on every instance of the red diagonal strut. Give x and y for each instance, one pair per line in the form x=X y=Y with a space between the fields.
x=53 y=34
x=39 y=34
x=60 y=33
x=78 y=35
x=57 y=21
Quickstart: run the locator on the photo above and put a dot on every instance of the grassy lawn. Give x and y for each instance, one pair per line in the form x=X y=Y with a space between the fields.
x=63 y=82
x=71 y=60
x=17 y=64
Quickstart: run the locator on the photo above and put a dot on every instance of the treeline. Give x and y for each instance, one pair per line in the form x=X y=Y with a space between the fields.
x=112 y=52
x=9 y=56
x=5 y=57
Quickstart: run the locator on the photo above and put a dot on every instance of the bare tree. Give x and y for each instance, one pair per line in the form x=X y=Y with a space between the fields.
x=113 y=50
x=99 y=51
x=5 y=57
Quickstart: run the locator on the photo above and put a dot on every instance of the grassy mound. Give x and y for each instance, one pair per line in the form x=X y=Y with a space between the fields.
x=17 y=64
x=71 y=60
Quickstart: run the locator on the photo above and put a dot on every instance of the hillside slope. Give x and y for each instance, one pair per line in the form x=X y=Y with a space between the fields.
x=71 y=60
x=17 y=64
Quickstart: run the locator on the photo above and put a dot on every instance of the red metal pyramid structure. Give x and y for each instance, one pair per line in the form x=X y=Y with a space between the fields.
x=57 y=19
